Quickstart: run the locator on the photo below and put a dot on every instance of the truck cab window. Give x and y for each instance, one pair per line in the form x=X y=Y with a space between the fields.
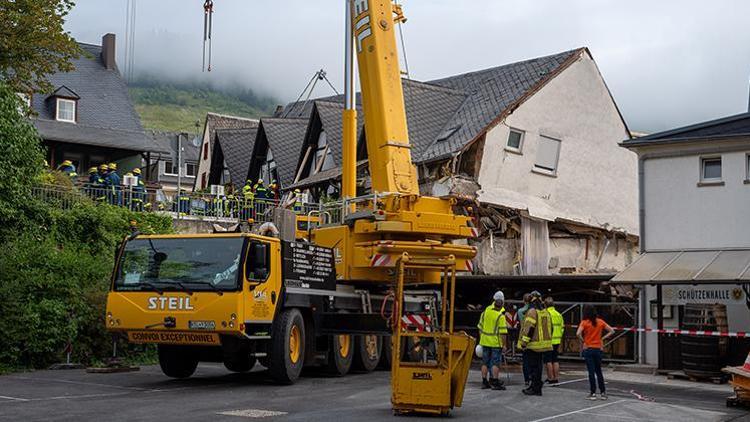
x=258 y=262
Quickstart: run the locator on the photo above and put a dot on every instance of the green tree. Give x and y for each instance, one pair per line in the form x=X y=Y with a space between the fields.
x=22 y=158
x=33 y=43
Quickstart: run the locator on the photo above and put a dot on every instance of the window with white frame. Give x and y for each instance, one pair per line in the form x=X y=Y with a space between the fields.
x=191 y=169
x=515 y=141
x=170 y=168
x=547 y=155
x=66 y=110
x=711 y=169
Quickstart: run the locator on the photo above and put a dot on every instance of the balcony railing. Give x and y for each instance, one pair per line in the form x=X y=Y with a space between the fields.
x=195 y=205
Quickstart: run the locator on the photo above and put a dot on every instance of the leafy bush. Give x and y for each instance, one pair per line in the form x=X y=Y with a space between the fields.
x=54 y=280
x=55 y=264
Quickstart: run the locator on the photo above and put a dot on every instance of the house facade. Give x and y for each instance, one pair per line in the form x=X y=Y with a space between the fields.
x=213 y=123
x=695 y=238
x=164 y=170
x=89 y=118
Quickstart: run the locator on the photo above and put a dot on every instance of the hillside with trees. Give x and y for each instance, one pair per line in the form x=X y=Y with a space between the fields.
x=174 y=106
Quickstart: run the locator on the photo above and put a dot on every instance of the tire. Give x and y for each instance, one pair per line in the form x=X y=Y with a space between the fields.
x=367 y=352
x=287 y=347
x=244 y=364
x=176 y=361
x=340 y=355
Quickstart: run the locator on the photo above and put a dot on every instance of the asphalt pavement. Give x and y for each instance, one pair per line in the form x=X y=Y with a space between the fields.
x=215 y=394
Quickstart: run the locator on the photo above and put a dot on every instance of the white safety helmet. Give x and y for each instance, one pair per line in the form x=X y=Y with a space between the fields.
x=498 y=296
x=478 y=350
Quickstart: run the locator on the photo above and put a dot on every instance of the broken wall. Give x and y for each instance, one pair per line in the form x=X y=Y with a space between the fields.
x=569 y=255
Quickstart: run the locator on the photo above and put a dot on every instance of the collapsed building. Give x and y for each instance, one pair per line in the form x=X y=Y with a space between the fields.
x=530 y=149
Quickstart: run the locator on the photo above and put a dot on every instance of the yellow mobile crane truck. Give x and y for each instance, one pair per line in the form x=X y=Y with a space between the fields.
x=235 y=298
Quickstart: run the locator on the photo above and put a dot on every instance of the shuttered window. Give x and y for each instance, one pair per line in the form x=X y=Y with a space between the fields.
x=547 y=155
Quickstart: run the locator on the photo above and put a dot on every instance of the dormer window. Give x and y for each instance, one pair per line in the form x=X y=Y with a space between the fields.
x=65 y=104
x=66 y=110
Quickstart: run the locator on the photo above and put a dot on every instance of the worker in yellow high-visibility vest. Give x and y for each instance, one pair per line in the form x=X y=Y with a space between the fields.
x=535 y=338
x=551 y=358
x=492 y=333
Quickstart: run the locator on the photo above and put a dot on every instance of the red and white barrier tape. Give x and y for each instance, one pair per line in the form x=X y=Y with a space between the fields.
x=703 y=333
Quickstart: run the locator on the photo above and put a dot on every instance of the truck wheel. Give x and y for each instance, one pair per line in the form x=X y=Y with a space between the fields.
x=340 y=355
x=287 y=347
x=240 y=364
x=367 y=352
x=176 y=361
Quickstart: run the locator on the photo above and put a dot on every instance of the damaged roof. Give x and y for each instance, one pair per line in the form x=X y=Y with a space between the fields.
x=105 y=116
x=236 y=146
x=727 y=127
x=492 y=94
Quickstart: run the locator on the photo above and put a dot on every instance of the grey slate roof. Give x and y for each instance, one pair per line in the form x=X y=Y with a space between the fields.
x=330 y=115
x=237 y=147
x=216 y=121
x=491 y=93
x=284 y=137
x=167 y=143
x=106 y=116
x=727 y=127
x=428 y=107
x=445 y=115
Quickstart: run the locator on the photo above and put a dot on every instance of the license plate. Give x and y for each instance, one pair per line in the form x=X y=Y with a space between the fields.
x=202 y=325
x=173 y=337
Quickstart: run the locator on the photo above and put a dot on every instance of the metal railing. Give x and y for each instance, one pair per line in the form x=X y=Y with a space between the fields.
x=196 y=205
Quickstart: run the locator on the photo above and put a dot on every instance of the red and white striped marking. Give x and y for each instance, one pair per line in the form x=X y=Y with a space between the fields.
x=380 y=260
x=416 y=322
x=469 y=266
x=746 y=366
x=474 y=232
x=699 y=333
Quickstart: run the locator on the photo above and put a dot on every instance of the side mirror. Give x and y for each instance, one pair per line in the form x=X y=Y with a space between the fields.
x=257 y=263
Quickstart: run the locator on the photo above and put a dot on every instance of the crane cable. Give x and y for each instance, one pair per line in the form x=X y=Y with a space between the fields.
x=208 y=13
x=320 y=75
x=403 y=50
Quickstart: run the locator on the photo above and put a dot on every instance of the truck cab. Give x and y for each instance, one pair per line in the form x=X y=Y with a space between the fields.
x=237 y=298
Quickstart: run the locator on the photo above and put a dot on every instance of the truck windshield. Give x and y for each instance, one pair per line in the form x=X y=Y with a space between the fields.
x=191 y=264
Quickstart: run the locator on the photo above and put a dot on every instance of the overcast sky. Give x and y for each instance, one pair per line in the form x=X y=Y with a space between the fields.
x=667 y=62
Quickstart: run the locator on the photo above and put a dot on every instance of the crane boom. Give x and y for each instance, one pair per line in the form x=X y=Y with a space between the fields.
x=388 y=149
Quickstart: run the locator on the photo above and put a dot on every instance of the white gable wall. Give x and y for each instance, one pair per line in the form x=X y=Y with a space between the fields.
x=681 y=214
x=596 y=182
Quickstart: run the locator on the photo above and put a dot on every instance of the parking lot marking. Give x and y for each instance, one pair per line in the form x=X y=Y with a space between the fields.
x=568 y=382
x=252 y=413
x=94 y=384
x=13 y=398
x=549 y=418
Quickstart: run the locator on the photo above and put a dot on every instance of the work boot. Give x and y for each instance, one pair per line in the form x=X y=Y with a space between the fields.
x=485 y=384
x=530 y=392
x=496 y=384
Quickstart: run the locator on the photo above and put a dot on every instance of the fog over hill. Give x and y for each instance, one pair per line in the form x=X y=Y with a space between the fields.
x=667 y=63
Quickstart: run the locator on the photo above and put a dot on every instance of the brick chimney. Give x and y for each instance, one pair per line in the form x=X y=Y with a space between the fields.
x=108 y=51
